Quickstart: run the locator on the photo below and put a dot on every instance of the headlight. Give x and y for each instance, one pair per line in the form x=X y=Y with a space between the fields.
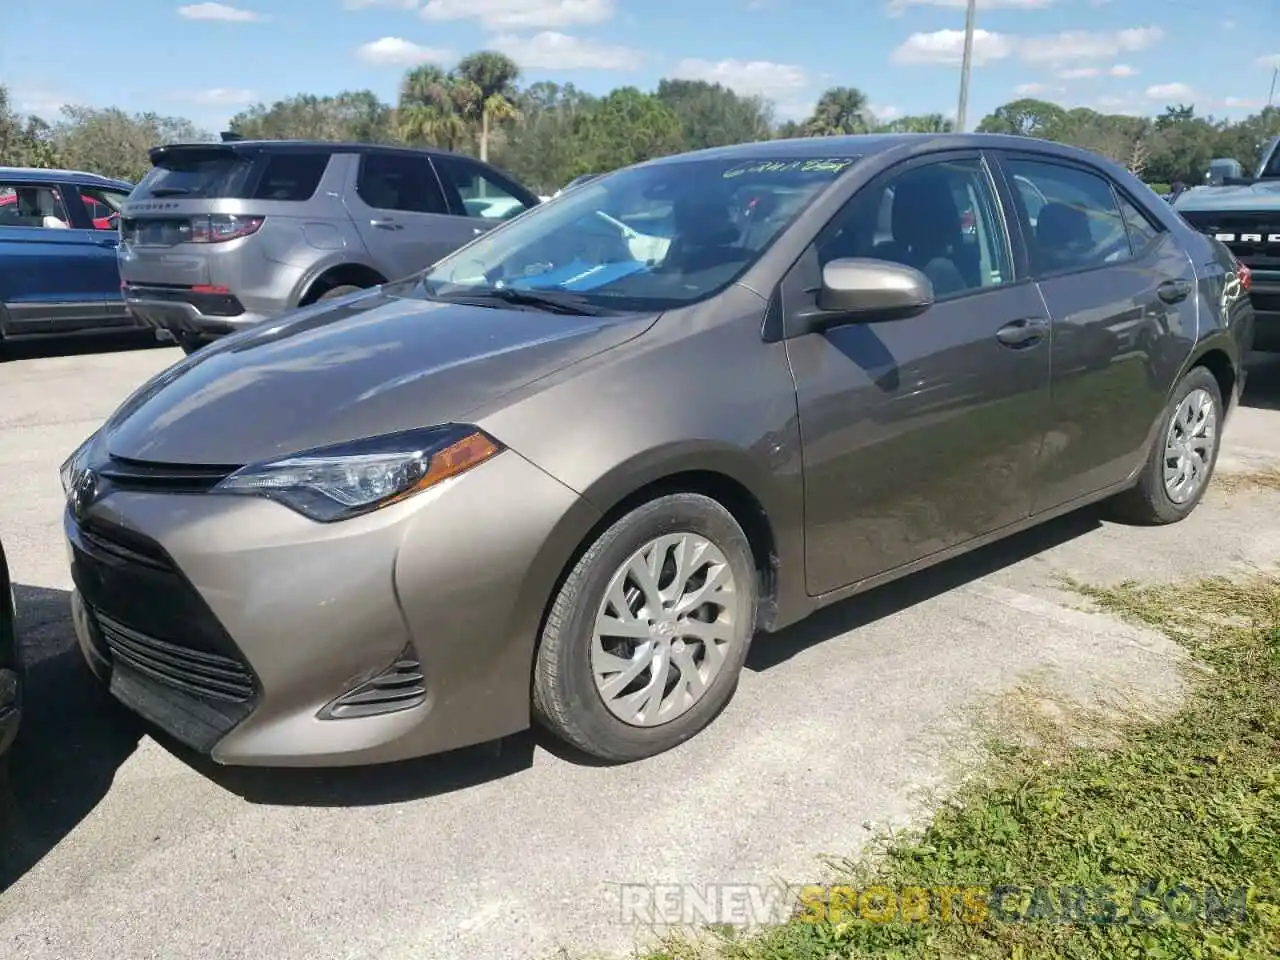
x=334 y=483
x=73 y=466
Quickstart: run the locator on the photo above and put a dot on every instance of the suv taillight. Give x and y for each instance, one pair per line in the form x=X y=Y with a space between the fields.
x=221 y=227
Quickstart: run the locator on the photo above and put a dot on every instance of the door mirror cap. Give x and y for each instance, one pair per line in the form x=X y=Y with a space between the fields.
x=867 y=291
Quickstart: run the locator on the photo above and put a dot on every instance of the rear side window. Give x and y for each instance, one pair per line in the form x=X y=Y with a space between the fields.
x=480 y=194
x=1142 y=232
x=290 y=176
x=196 y=175
x=1078 y=225
x=392 y=181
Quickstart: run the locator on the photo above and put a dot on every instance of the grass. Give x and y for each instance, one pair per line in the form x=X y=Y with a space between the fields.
x=1192 y=797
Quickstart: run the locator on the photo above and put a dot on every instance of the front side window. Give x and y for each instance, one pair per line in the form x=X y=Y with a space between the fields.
x=1079 y=225
x=481 y=196
x=31 y=205
x=940 y=218
x=648 y=237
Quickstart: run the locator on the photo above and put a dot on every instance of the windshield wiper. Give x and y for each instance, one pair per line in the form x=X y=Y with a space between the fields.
x=551 y=301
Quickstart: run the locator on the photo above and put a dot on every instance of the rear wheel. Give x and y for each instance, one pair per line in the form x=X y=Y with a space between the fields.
x=341 y=291
x=1181 y=463
x=645 y=641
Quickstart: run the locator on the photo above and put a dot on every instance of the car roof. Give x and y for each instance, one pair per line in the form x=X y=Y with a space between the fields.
x=45 y=175
x=867 y=144
x=291 y=146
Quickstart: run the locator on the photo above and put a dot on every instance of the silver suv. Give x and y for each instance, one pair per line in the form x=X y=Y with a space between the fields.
x=218 y=236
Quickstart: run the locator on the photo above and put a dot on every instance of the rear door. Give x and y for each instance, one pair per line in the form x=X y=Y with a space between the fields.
x=1120 y=290
x=55 y=269
x=401 y=213
x=102 y=214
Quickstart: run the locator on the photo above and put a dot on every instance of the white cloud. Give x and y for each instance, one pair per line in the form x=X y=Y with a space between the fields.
x=499 y=14
x=216 y=97
x=897 y=7
x=1228 y=24
x=947 y=47
x=398 y=52
x=750 y=77
x=42 y=102
x=393 y=4
x=1243 y=103
x=884 y=111
x=1170 y=91
x=1084 y=45
x=220 y=11
x=1029 y=89
x=1123 y=70
x=1270 y=62
x=1079 y=73
x=558 y=51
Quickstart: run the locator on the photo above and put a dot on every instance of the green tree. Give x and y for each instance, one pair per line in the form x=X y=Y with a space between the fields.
x=114 y=143
x=486 y=92
x=1027 y=117
x=428 y=110
x=923 y=123
x=352 y=115
x=24 y=141
x=545 y=149
x=840 y=110
x=712 y=115
x=628 y=126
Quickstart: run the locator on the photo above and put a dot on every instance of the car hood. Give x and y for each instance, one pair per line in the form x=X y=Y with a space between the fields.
x=357 y=367
x=1264 y=195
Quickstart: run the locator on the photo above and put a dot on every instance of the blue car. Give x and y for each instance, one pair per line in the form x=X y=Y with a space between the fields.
x=59 y=231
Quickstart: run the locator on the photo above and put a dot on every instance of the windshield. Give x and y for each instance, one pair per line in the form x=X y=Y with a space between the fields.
x=643 y=238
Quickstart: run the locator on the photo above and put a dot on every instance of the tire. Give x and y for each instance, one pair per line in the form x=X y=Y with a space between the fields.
x=566 y=697
x=341 y=291
x=1149 y=501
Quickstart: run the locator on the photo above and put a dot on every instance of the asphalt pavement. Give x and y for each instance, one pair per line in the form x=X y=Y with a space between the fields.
x=115 y=845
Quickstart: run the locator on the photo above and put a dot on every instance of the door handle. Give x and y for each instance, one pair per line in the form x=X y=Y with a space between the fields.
x=1174 y=291
x=1023 y=333
x=108 y=241
x=386 y=225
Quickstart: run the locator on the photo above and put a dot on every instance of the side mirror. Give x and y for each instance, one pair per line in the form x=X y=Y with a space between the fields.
x=868 y=291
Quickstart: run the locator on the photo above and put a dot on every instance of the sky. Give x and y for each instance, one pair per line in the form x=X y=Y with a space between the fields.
x=208 y=60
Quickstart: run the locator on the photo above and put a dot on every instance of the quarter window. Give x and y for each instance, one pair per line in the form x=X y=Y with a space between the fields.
x=30 y=205
x=941 y=218
x=1078 y=225
x=390 y=181
x=1142 y=232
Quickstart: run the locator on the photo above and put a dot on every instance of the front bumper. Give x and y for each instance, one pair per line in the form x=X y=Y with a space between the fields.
x=186 y=312
x=233 y=623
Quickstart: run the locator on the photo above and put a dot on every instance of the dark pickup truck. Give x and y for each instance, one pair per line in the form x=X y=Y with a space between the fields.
x=1244 y=213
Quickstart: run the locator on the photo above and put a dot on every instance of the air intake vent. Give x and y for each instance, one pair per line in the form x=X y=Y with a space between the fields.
x=400 y=687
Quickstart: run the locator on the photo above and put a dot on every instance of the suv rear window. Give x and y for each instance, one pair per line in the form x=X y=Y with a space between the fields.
x=214 y=174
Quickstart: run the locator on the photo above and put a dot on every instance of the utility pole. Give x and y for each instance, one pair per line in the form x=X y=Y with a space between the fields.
x=1272 y=95
x=965 y=66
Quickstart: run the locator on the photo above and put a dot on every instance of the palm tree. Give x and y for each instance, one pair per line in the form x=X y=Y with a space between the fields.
x=486 y=92
x=841 y=110
x=428 y=109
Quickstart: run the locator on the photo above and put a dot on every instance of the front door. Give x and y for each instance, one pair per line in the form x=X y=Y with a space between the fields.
x=401 y=213
x=919 y=434
x=1122 y=295
x=53 y=271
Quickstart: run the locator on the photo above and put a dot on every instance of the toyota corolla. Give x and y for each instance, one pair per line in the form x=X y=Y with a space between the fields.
x=567 y=477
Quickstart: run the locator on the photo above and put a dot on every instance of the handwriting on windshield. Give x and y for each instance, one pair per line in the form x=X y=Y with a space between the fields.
x=826 y=165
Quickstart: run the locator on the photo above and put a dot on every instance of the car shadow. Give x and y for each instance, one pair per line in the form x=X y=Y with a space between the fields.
x=884 y=601
x=80 y=344
x=72 y=740
x=1262 y=389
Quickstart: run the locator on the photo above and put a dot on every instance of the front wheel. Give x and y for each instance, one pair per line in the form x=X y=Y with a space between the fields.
x=646 y=639
x=1181 y=463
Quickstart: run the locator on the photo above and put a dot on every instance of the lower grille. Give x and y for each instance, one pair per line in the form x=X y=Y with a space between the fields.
x=401 y=686
x=203 y=674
